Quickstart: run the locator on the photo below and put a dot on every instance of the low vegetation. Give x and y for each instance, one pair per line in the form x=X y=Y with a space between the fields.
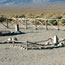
x=63 y=21
x=42 y=15
x=53 y=22
x=2 y=18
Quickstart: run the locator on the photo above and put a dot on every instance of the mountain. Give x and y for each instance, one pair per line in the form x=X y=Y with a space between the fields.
x=23 y=2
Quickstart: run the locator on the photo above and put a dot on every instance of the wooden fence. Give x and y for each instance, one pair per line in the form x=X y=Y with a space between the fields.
x=25 y=21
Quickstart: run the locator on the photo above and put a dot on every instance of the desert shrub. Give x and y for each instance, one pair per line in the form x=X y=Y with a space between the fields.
x=38 y=16
x=59 y=17
x=2 y=18
x=35 y=22
x=31 y=16
x=42 y=21
x=48 y=15
x=54 y=22
x=63 y=21
x=22 y=16
x=17 y=16
x=41 y=14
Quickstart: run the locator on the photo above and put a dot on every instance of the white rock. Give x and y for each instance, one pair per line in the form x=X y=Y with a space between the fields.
x=21 y=48
x=14 y=39
x=9 y=39
x=60 y=44
x=14 y=46
x=47 y=43
x=10 y=46
x=55 y=40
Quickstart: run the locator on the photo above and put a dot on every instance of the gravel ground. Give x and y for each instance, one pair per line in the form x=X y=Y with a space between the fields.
x=16 y=56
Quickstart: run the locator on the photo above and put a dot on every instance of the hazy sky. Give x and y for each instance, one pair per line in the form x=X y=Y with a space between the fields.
x=17 y=2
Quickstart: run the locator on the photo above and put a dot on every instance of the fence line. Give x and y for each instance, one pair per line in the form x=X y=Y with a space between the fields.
x=26 y=20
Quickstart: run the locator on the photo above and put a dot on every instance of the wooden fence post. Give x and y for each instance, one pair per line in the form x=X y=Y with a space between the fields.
x=35 y=25
x=26 y=24
x=7 y=23
x=13 y=43
x=64 y=41
x=46 y=24
x=26 y=45
x=58 y=24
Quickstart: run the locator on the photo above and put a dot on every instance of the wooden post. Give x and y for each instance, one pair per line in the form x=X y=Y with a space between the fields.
x=13 y=43
x=35 y=25
x=46 y=24
x=64 y=41
x=7 y=23
x=26 y=24
x=27 y=45
x=58 y=24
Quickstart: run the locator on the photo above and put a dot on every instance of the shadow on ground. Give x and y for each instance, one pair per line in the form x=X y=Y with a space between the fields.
x=11 y=34
x=45 y=48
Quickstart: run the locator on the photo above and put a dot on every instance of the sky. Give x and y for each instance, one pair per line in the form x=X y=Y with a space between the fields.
x=23 y=2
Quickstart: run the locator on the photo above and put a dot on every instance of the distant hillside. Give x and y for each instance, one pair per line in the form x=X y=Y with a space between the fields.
x=33 y=9
x=18 y=7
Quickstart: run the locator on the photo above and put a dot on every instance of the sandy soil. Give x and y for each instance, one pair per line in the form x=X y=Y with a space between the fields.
x=14 y=56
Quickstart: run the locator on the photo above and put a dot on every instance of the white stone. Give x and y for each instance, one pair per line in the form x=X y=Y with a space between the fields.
x=60 y=44
x=14 y=39
x=9 y=39
x=16 y=27
x=15 y=46
x=21 y=48
x=47 y=43
x=55 y=40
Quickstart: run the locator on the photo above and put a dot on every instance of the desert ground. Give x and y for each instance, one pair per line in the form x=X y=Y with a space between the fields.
x=16 y=56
